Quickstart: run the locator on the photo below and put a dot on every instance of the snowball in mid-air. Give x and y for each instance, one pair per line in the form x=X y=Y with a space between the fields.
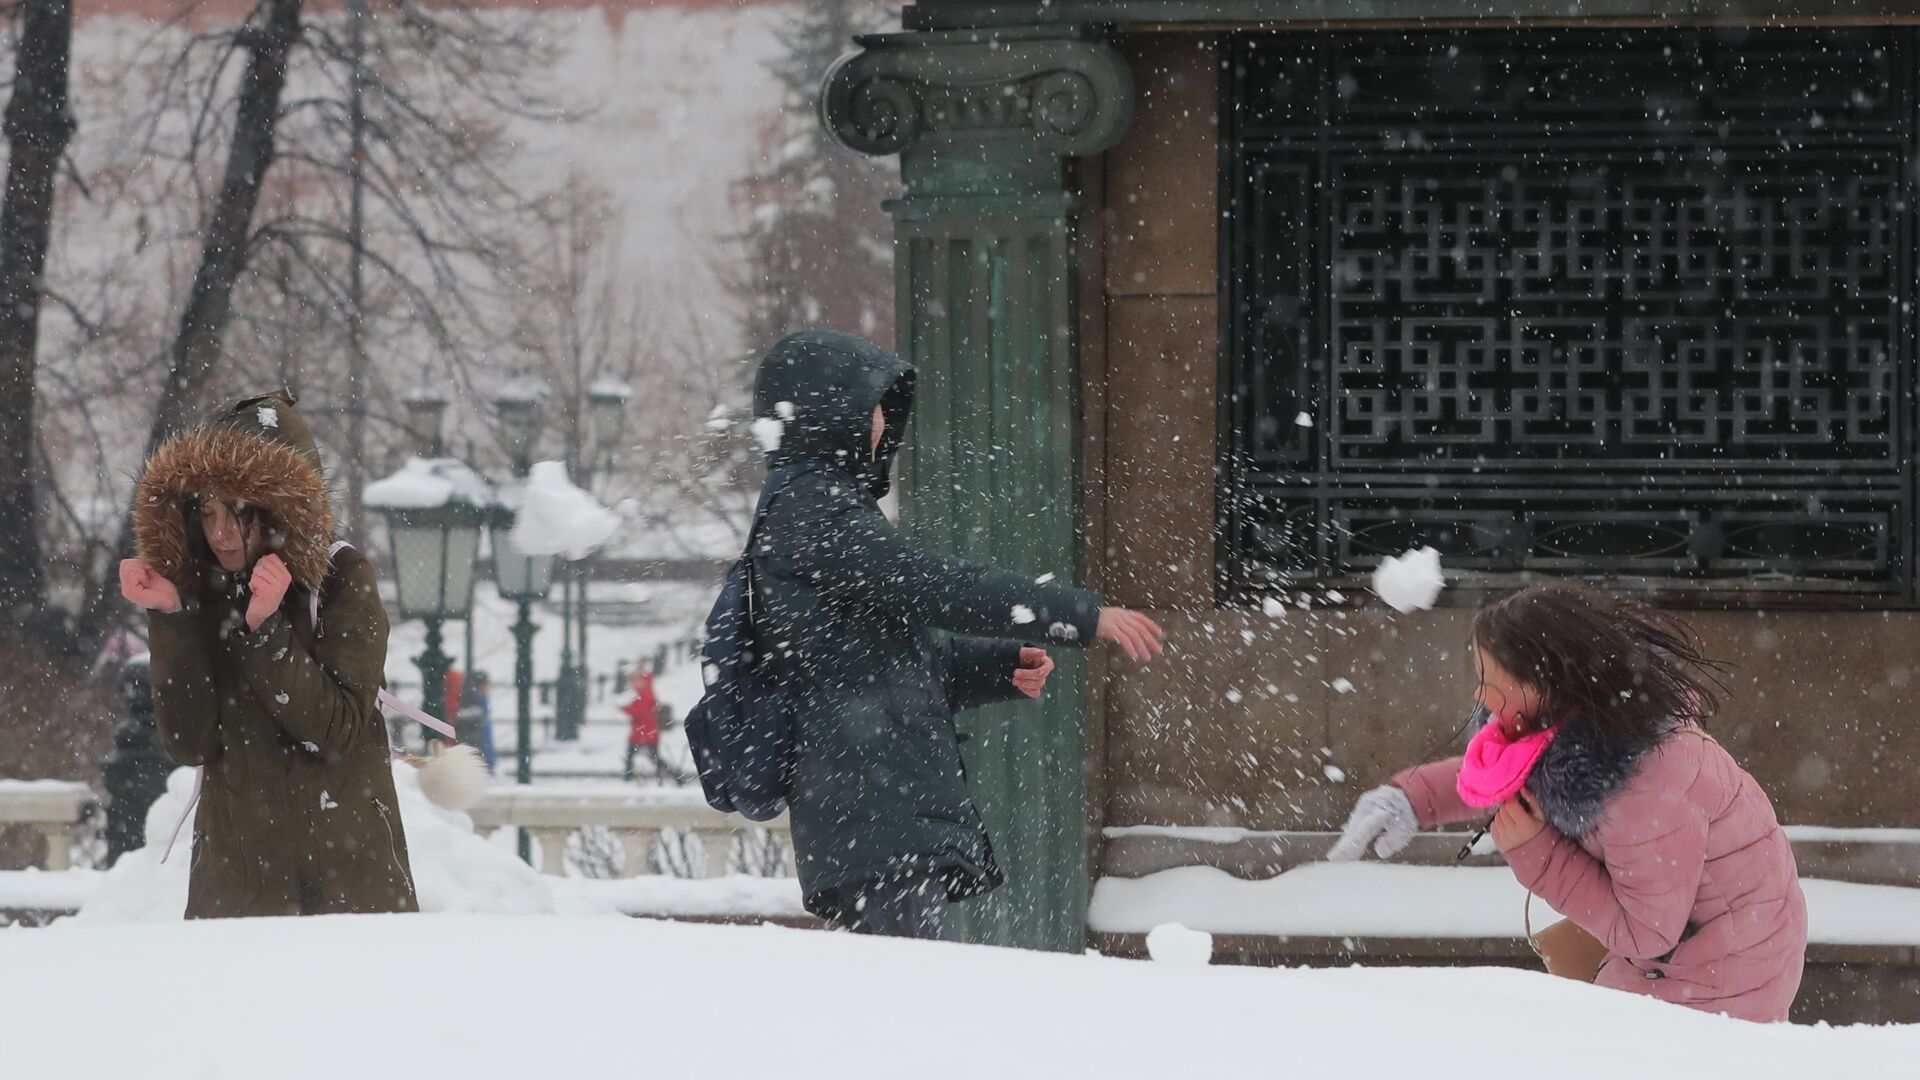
x=455 y=779
x=1171 y=943
x=768 y=431
x=1411 y=582
x=1022 y=614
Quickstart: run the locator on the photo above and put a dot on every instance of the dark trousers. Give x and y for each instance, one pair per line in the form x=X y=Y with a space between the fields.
x=907 y=907
x=652 y=750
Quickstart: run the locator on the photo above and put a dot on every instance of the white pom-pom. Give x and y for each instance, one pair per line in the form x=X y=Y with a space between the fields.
x=454 y=779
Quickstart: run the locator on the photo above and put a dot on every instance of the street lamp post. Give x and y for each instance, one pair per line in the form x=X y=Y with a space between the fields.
x=607 y=399
x=425 y=408
x=435 y=509
x=521 y=578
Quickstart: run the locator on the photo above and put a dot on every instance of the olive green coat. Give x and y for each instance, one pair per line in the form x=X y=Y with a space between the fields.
x=298 y=813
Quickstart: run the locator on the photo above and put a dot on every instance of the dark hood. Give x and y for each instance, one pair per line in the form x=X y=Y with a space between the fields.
x=822 y=386
x=256 y=451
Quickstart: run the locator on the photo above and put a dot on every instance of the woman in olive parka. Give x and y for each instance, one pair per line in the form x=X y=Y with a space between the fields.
x=879 y=642
x=297 y=814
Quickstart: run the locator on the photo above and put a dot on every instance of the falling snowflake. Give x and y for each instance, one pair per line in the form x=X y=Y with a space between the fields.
x=1342 y=686
x=1303 y=420
x=1043 y=579
x=326 y=801
x=269 y=418
x=1336 y=774
x=1022 y=615
x=784 y=409
x=282 y=697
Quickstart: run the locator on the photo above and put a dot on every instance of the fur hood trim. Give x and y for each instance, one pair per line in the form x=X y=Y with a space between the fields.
x=1579 y=772
x=239 y=467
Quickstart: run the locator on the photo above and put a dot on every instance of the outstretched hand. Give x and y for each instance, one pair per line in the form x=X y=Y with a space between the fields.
x=1383 y=817
x=269 y=584
x=1136 y=634
x=142 y=584
x=1030 y=678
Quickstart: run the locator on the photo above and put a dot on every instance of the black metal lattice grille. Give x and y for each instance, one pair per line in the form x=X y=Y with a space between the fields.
x=1600 y=302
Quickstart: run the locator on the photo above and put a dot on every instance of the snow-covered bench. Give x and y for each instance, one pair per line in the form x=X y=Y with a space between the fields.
x=58 y=809
x=635 y=816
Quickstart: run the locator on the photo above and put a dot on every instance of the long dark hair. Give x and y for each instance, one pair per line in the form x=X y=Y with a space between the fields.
x=1597 y=659
x=199 y=552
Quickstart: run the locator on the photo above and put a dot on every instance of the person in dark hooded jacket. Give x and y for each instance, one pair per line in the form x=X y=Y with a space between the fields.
x=880 y=641
x=297 y=814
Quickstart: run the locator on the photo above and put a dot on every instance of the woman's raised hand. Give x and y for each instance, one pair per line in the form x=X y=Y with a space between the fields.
x=268 y=583
x=142 y=584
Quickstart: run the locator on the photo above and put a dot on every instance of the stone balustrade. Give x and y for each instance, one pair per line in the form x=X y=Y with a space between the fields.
x=635 y=816
x=58 y=809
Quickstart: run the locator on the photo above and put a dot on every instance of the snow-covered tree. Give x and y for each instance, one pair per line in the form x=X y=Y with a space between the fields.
x=819 y=245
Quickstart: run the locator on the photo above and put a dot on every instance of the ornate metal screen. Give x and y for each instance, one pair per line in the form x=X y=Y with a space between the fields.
x=1627 y=303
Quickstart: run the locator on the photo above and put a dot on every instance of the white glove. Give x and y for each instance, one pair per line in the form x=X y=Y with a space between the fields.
x=1385 y=817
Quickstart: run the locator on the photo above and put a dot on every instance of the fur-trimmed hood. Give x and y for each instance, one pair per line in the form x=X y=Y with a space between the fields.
x=256 y=452
x=1578 y=772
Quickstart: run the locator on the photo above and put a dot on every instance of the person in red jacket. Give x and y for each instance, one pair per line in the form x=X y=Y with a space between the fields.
x=644 y=712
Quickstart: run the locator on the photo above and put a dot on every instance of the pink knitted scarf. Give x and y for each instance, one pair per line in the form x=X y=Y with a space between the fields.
x=1496 y=767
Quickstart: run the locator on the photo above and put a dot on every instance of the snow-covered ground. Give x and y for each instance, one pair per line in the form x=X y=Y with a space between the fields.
x=483 y=997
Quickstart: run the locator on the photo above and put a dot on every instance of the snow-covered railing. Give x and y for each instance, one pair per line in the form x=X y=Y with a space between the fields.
x=635 y=816
x=59 y=809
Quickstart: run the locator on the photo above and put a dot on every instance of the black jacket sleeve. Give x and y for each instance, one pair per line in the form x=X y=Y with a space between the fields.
x=824 y=531
x=186 y=706
x=325 y=696
x=980 y=671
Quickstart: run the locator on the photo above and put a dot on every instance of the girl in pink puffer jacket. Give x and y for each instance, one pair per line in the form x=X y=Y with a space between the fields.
x=1633 y=822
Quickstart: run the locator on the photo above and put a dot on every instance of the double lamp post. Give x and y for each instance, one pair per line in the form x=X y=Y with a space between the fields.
x=436 y=507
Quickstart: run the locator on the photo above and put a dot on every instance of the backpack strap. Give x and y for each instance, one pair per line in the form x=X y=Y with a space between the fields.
x=385 y=698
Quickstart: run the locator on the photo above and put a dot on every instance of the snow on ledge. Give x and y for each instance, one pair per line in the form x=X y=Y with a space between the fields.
x=1383 y=900
x=47 y=890
x=734 y=896
x=1233 y=834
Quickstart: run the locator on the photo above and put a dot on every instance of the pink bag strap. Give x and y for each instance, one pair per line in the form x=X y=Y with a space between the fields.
x=412 y=712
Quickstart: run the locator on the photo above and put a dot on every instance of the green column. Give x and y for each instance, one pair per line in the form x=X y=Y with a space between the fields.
x=985 y=126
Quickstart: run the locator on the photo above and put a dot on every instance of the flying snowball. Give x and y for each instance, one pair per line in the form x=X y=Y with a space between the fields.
x=768 y=431
x=1411 y=582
